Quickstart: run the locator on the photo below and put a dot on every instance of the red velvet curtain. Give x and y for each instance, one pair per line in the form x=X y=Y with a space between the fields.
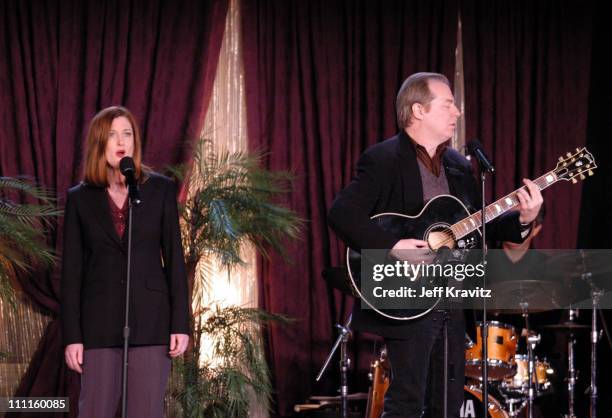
x=527 y=79
x=321 y=79
x=66 y=59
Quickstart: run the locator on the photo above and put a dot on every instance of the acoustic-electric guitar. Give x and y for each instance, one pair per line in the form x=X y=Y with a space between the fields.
x=445 y=222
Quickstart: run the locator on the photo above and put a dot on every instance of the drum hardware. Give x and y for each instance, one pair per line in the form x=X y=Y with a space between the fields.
x=345 y=364
x=513 y=409
x=596 y=294
x=572 y=328
x=572 y=375
x=593 y=262
x=593 y=268
x=336 y=277
x=469 y=343
x=532 y=341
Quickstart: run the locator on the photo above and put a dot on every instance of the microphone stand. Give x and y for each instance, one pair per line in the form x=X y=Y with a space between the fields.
x=475 y=149
x=485 y=329
x=133 y=200
x=345 y=364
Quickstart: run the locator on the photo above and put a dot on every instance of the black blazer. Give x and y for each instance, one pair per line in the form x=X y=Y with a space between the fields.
x=95 y=263
x=388 y=180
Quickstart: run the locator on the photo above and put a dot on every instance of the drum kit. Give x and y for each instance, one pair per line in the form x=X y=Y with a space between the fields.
x=516 y=380
x=519 y=379
x=510 y=373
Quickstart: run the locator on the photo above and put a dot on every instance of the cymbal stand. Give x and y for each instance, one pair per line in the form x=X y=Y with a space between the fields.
x=595 y=295
x=532 y=340
x=514 y=406
x=571 y=369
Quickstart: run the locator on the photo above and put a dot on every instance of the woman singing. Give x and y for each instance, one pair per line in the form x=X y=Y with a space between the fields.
x=94 y=275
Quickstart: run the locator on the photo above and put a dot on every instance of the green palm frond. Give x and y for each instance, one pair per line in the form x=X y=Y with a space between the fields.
x=22 y=230
x=28 y=213
x=23 y=184
x=232 y=202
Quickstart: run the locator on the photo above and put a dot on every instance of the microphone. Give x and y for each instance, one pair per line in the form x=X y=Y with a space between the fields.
x=476 y=149
x=128 y=169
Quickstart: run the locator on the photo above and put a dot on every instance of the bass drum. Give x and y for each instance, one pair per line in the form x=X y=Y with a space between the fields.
x=472 y=405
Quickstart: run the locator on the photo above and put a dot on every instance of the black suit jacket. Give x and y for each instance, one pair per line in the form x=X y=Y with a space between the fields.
x=388 y=180
x=95 y=263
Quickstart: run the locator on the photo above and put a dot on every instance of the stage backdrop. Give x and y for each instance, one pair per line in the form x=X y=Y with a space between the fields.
x=65 y=60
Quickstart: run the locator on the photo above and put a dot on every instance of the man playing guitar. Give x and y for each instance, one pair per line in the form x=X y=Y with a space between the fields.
x=400 y=175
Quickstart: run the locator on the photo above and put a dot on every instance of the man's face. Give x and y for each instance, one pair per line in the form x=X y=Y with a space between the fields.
x=441 y=114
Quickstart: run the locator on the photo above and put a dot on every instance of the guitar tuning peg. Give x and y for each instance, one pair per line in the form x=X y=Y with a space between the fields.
x=560 y=159
x=582 y=177
x=574 y=180
x=569 y=154
x=590 y=172
x=577 y=149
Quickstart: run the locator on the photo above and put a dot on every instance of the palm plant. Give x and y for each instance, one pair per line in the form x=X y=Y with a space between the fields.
x=229 y=204
x=22 y=238
x=225 y=388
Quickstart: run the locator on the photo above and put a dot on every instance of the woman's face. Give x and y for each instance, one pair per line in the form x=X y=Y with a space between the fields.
x=120 y=141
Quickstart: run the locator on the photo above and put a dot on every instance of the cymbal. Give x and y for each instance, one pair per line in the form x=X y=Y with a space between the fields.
x=515 y=296
x=577 y=262
x=567 y=326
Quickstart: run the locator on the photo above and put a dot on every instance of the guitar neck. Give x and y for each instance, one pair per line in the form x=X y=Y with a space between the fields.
x=499 y=207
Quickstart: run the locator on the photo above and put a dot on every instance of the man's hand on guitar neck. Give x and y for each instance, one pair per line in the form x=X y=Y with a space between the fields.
x=529 y=203
x=414 y=251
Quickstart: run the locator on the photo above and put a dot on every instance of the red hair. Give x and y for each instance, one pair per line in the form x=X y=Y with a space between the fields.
x=96 y=166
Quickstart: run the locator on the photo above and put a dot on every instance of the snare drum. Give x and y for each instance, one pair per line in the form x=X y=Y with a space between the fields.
x=501 y=346
x=519 y=383
x=472 y=405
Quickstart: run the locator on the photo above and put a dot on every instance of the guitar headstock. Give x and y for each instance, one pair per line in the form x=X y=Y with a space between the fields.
x=573 y=166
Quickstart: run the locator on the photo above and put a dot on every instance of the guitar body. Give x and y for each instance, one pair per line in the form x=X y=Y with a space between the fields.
x=432 y=225
x=380 y=376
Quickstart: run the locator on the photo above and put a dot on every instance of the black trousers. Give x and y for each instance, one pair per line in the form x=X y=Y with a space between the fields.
x=417 y=368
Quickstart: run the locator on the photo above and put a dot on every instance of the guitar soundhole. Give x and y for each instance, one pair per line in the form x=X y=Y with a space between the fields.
x=440 y=236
